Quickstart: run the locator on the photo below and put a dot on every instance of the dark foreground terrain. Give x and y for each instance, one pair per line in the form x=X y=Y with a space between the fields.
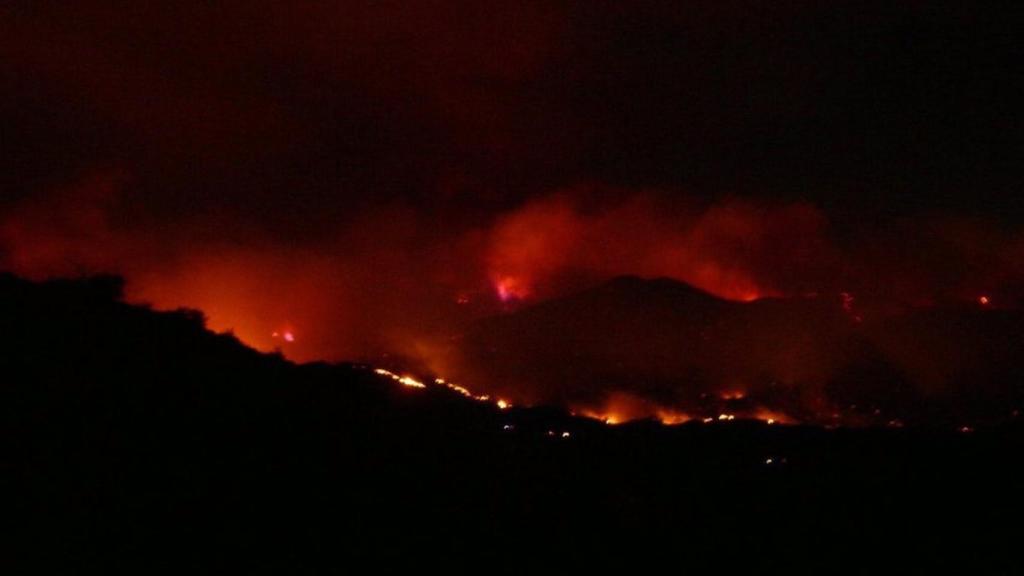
x=136 y=439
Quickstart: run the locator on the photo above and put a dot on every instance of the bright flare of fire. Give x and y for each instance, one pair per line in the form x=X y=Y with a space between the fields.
x=463 y=391
x=620 y=409
x=414 y=383
x=772 y=417
x=287 y=335
x=671 y=417
x=510 y=288
x=403 y=380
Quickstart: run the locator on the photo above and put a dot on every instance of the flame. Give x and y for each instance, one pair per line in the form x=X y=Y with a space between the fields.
x=671 y=417
x=612 y=417
x=287 y=335
x=773 y=417
x=407 y=381
x=403 y=380
x=619 y=408
x=411 y=382
x=511 y=288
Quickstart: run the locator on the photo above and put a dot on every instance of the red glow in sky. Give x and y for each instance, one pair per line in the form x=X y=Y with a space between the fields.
x=287 y=336
x=510 y=289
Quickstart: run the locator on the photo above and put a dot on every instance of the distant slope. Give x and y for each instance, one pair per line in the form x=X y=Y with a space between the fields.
x=635 y=347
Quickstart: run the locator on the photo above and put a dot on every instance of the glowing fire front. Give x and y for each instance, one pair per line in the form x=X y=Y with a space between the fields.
x=619 y=409
x=403 y=380
x=411 y=382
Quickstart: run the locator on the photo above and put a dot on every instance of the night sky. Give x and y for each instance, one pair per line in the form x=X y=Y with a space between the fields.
x=289 y=120
x=372 y=177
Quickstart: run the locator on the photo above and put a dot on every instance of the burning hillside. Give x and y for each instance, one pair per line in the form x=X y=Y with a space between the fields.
x=660 y=349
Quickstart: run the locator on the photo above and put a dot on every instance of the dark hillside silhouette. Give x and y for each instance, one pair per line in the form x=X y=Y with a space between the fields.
x=134 y=438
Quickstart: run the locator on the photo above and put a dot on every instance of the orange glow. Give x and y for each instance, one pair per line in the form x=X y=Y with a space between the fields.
x=609 y=418
x=620 y=408
x=287 y=336
x=408 y=381
x=268 y=300
x=403 y=380
x=316 y=305
x=510 y=288
x=773 y=417
x=671 y=417
x=729 y=250
x=414 y=383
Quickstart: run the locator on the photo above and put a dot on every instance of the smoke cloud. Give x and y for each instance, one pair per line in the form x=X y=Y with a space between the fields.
x=392 y=289
x=371 y=180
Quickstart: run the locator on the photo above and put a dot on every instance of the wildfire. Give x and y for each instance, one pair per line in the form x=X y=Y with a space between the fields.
x=287 y=336
x=403 y=380
x=466 y=392
x=510 y=288
x=671 y=417
x=770 y=417
x=407 y=381
x=618 y=411
x=411 y=382
x=748 y=296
